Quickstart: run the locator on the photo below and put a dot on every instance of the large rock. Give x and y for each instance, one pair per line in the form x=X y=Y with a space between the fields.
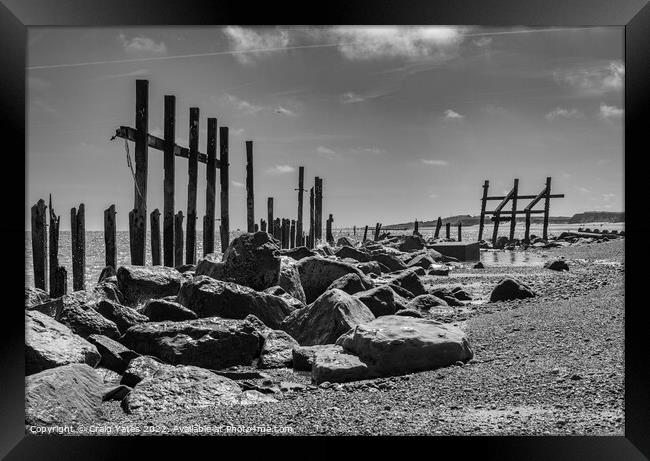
x=68 y=395
x=393 y=345
x=322 y=322
x=344 y=242
x=557 y=265
x=353 y=253
x=290 y=279
x=410 y=281
x=158 y=310
x=140 y=368
x=317 y=274
x=392 y=262
x=279 y=291
x=35 y=296
x=426 y=303
x=446 y=295
x=298 y=253
x=510 y=288
x=351 y=284
x=50 y=344
x=336 y=367
x=424 y=261
x=380 y=300
x=211 y=268
x=277 y=350
x=185 y=388
x=115 y=356
x=123 y=316
x=253 y=260
x=141 y=283
x=371 y=267
x=412 y=243
x=208 y=297
x=305 y=356
x=208 y=342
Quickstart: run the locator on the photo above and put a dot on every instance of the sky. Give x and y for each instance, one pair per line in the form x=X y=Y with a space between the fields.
x=401 y=123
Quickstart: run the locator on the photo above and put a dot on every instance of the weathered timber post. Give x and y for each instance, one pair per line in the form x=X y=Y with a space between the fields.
x=110 y=236
x=59 y=286
x=416 y=228
x=132 y=233
x=263 y=225
x=277 y=230
x=460 y=231
x=39 y=243
x=438 y=227
x=301 y=184
x=155 y=237
x=495 y=230
x=481 y=223
x=365 y=234
x=210 y=189
x=292 y=234
x=354 y=230
x=139 y=234
x=223 y=169
x=269 y=212
x=527 y=230
x=448 y=230
x=170 y=174
x=377 y=229
x=192 y=173
x=547 y=205
x=256 y=227
x=78 y=228
x=513 y=220
x=250 y=195
x=312 y=219
x=328 y=236
x=281 y=231
x=178 y=237
x=54 y=250
x=318 y=216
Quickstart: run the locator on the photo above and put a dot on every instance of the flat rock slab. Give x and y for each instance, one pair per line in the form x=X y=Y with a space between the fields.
x=50 y=344
x=115 y=356
x=141 y=283
x=317 y=274
x=158 y=310
x=338 y=367
x=462 y=251
x=66 y=395
x=305 y=356
x=277 y=350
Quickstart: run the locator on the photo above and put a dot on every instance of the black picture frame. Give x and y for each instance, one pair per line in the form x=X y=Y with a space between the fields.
x=17 y=15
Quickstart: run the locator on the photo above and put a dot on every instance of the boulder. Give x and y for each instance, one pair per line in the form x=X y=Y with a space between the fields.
x=419 y=271
x=557 y=265
x=371 y=267
x=461 y=294
x=253 y=260
x=425 y=303
x=439 y=269
x=186 y=268
x=409 y=280
x=380 y=300
x=290 y=279
x=317 y=274
x=277 y=350
x=279 y=291
x=139 y=368
x=412 y=243
x=298 y=253
x=392 y=262
x=409 y=313
x=395 y=344
x=511 y=288
x=402 y=292
x=304 y=356
x=138 y=284
x=50 y=344
x=208 y=297
x=501 y=242
x=35 y=296
x=158 y=310
x=351 y=284
x=68 y=395
x=353 y=253
x=344 y=242
x=107 y=271
x=207 y=342
x=446 y=295
x=211 y=268
x=107 y=290
x=123 y=316
x=322 y=322
x=115 y=356
x=478 y=265
x=423 y=260
x=338 y=367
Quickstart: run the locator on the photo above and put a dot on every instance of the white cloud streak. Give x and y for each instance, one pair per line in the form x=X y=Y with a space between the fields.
x=610 y=112
x=434 y=162
x=280 y=169
x=560 y=112
x=453 y=115
x=142 y=46
x=593 y=80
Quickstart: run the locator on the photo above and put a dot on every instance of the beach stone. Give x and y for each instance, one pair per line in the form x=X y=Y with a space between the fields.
x=290 y=279
x=423 y=260
x=557 y=265
x=460 y=294
x=439 y=269
x=211 y=267
x=277 y=350
x=298 y=253
x=304 y=356
x=394 y=345
x=409 y=280
x=158 y=310
x=138 y=284
x=253 y=260
x=510 y=288
x=50 y=344
x=392 y=262
x=35 y=296
x=425 y=302
x=419 y=271
x=446 y=295
x=107 y=271
x=352 y=253
x=68 y=395
x=380 y=300
x=501 y=242
x=370 y=267
x=107 y=290
x=279 y=291
x=208 y=297
x=123 y=316
x=186 y=268
x=412 y=243
x=211 y=342
x=478 y=265
x=116 y=393
x=108 y=377
x=402 y=292
x=139 y=368
x=317 y=274
x=325 y=250
x=344 y=242
x=114 y=355
x=351 y=284
x=337 y=367
x=408 y=313
x=322 y=322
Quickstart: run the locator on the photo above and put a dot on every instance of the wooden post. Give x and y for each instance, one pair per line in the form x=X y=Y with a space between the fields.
x=365 y=234
x=312 y=219
x=269 y=210
x=547 y=205
x=110 y=236
x=54 y=250
x=178 y=237
x=377 y=229
x=59 y=286
x=513 y=220
x=263 y=225
x=292 y=234
x=211 y=187
x=527 y=231
x=416 y=228
x=155 y=237
x=78 y=228
x=281 y=232
x=141 y=168
x=354 y=230
x=170 y=174
x=256 y=228
x=192 y=173
x=448 y=230
x=223 y=168
x=277 y=230
x=39 y=243
x=250 y=195
x=438 y=227
x=301 y=184
x=329 y=236
x=481 y=223
x=460 y=231
x=132 y=233
x=318 y=211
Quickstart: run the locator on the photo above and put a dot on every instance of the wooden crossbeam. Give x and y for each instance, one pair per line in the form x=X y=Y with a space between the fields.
x=523 y=197
x=540 y=196
x=518 y=212
x=155 y=142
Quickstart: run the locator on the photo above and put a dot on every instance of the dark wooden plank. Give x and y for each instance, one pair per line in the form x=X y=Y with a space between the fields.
x=250 y=193
x=292 y=234
x=132 y=234
x=262 y=225
x=110 y=237
x=301 y=184
x=365 y=234
x=277 y=230
x=39 y=243
x=329 y=236
x=192 y=174
x=78 y=226
x=416 y=227
x=513 y=221
x=438 y=227
x=460 y=231
x=54 y=250
x=547 y=206
x=141 y=172
x=318 y=208
x=225 y=216
x=210 y=188
x=527 y=229
x=312 y=218
x=518 y=212
x=256 y=227
x=448 y=230
x=269 y=212
x=169 y=180
x=178 y=239
x=60 y=284
x=481 y=223
x=377 y=229
x=524 y=197
x=155 y=237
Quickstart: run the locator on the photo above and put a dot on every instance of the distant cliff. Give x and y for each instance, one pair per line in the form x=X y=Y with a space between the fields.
x=597 y=216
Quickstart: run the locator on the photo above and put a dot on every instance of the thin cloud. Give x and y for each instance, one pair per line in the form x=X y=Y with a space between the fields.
x=583 y=190
x=135 y=73
x=142 y=46
x=610 y=112
x=603 y=161
x=284 y=111
x=482 y=42
x=560 y=112
x=433 y=195
x=608 y=197
x=594 y=80
x=325 y=150
x=280 y=169
x=237 y=183
x=434 y=162
x=351 y=98
x=253 y=41
x=453 y=115
x=242 y=105
x=237 y=132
